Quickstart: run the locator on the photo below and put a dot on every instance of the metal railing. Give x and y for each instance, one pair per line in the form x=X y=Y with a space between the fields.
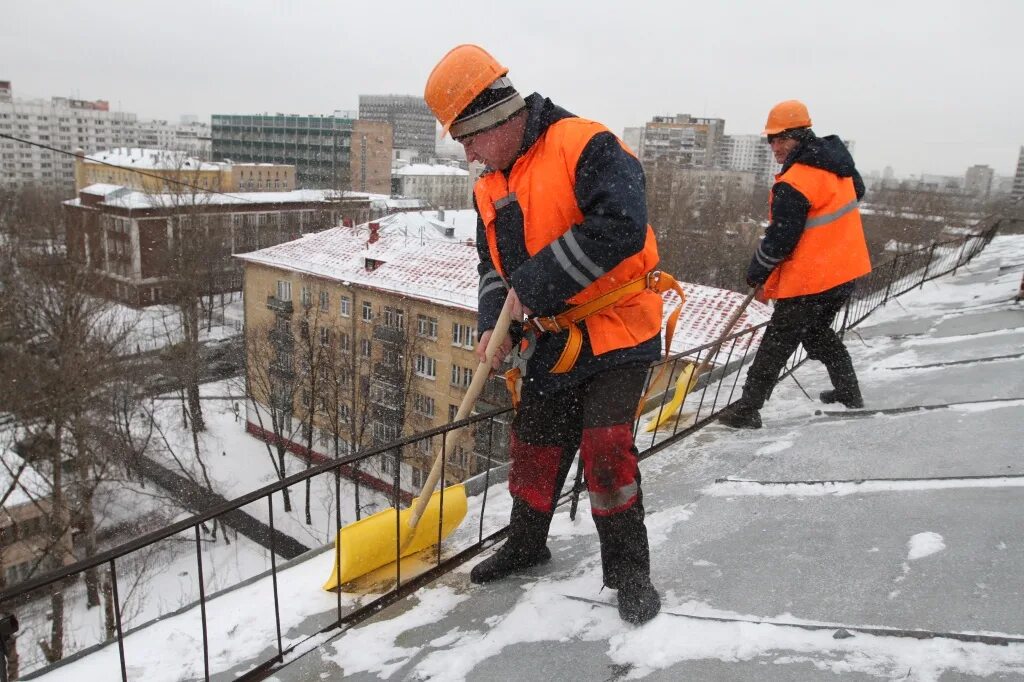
x=711 y=392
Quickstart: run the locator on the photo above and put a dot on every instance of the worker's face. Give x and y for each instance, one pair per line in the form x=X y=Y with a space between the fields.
x=497 y=147
x=782 y=147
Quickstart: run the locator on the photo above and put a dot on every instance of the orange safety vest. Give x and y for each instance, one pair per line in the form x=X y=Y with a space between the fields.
x=832 y=249
x=542 y=180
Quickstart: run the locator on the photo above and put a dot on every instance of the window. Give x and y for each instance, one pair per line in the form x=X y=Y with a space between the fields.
x=304 y=330
x=307 y=296
x=284 y=290
x=365 y=348
x=367 y=311
x=325 y=301
x=345 y=307
x=426 y=366
x=344 y=413
x=425 y=446
x=393 y=357
x=385 y=433
x=460 y=457
x=423 y=404
x=394 y=318
x=417 y=478
x=344 y=342
x=461 y=376
x=426 y=326
x=453 y=411
x=305 y=397
x=463 y=335
x=325 y=336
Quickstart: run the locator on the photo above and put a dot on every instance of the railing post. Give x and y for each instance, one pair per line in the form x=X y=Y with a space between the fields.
x=892 y=275
x=8 y=626
x=956 y=266
x=931 y=254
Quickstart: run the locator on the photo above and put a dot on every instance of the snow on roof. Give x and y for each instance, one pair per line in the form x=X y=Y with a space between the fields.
x=142 y=200
x=430 y=169
x=101 y=189
x=435 y=269
x=151 y=159
x=443 y=270
x=28 y=484
x=429 y=224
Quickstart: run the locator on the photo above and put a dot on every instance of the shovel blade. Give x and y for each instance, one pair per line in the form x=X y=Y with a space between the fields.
x=373 y=542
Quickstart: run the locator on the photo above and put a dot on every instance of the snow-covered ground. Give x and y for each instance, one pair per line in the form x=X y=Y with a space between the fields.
x=777 y=574
x=157 y=326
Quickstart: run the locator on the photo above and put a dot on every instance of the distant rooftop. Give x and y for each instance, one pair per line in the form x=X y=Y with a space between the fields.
x=430 y=169
x=152 y=159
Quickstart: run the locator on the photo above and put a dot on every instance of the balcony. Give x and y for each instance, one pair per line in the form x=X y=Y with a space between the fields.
x=389 y=335
x=279 y=306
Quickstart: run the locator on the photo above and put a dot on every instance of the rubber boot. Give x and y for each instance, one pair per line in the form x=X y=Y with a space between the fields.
x=844 y=380
x=638 y=601
x=741 y=415
x=526 y=545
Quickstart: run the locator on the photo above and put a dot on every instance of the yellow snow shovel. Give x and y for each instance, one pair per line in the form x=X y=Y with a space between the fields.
x=687 y=379
x=378 y=540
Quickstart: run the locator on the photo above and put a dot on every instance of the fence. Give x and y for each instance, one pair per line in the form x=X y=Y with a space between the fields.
x=289 y=630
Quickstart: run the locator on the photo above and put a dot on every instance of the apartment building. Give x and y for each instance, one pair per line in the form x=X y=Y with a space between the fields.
x=398 y=313
x=328 y=152
x=439 y=186
x=1018 y=178
x=748 y=154
x=192 y=137
x=61 y=123
x=133 y=240
x=165 y=170
x=684 y=140
x=413 y=124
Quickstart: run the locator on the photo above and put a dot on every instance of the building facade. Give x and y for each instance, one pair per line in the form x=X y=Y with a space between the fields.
x=328 y=152
x=192 y=137
x=61 y=123
x=1018 y=178
x=134 y=241
x=684 y=140
x=163 y=170
x=749 y=154
x=439 y=186
x=978 y=181
x=412 y=122
x=371 y=341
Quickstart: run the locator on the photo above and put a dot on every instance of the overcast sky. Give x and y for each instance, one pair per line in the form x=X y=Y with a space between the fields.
x=930 y=86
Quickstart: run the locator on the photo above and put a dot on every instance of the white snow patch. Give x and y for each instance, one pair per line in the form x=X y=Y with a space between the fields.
x=987 y=406
x=924 y=544
x=703 y=562
x=372 y=648
x=739 y=488
x=773 y=448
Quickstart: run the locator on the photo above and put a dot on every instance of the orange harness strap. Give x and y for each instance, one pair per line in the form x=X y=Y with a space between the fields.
x=657 y=281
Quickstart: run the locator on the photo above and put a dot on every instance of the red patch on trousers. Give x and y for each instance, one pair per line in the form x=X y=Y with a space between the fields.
x=532 y=473
x=610 y=462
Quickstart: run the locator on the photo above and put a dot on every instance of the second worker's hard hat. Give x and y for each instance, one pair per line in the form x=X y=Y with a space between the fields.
x=469 y=75
x=786 y=116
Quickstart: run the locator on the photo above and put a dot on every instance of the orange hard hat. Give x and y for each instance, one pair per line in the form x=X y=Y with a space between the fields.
x=786 y=116
x=461 y=75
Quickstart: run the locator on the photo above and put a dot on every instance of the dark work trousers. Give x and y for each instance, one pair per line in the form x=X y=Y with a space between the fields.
x=595 y=417
x=803 y=320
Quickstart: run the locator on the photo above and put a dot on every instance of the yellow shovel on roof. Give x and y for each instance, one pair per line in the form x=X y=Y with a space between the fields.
x=378 y=540
x=687 y=379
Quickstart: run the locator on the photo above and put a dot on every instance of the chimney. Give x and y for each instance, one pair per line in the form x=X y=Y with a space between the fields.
x=374 y=232
x=346 y=222
x=440 y=214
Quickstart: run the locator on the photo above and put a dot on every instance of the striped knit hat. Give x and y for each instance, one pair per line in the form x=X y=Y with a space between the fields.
x=492 y=107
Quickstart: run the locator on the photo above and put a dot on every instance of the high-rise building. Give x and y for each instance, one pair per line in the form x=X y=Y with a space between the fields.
x=1018 y=179
x=749 y=154
x=62 y=123
x=978 y=180
x=686 y=141
x=192 y=137
x=327 y=151
x=412 y=122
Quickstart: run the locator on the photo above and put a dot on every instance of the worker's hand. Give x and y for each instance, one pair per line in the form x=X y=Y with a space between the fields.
x=759 y=295
x=499 y=356
x=519 y=311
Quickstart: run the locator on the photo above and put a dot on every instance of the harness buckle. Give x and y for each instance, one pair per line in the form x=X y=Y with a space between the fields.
x=653 y=277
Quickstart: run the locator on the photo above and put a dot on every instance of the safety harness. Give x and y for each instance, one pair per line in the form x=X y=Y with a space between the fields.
x=657 y=281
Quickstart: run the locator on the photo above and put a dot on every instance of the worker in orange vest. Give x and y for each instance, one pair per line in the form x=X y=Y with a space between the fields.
x=812 y=251
x=562 y=225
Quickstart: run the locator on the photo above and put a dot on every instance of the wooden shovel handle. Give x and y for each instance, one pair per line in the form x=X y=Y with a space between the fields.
x=483 y=371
